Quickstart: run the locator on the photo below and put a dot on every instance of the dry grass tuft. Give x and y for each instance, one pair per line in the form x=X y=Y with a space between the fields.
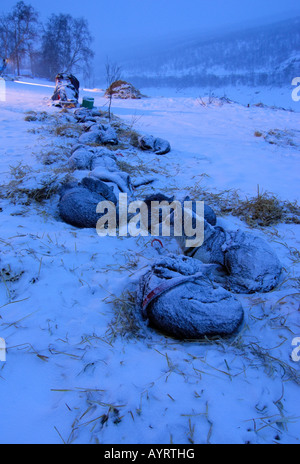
x=282 y=138
x=262 y=210
x=34 y=116
x=16 y=193
x=30 y=118
x=19 y=190
x=126 y=321
x=126 y=167
x=53 y=156
x=126 y=132
x=134 y=138
x=266 y=209
x=41 y=194
x=68 y=130
x=258 y=134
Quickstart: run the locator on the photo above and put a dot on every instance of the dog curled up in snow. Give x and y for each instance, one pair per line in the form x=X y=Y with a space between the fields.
x=78 y=201
x=247 y=263
x=191 y=296
x=178 y=296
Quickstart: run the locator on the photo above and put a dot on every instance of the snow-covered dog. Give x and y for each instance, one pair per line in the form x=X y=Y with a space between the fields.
x=248 y=262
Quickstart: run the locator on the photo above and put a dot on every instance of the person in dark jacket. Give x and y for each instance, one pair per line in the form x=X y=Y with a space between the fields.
x=3 y=66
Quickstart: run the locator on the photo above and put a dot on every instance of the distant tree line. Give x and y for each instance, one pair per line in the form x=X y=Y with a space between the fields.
x=265 y=55
x=210 y=80
x=63 y=44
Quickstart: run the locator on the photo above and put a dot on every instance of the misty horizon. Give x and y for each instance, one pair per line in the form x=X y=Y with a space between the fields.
x=122 y=30
x=144 y=38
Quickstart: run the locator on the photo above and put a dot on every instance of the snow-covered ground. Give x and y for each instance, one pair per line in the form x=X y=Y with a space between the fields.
x=71 y=373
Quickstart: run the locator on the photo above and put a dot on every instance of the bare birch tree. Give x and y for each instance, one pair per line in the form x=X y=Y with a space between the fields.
x=113 y=74
x=66 y=45
x=18 y=30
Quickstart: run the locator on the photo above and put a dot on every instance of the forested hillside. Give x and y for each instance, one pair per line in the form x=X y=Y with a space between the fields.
x=268 y=55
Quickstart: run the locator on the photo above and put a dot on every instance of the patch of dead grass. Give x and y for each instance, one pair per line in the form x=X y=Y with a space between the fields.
x=126 y=322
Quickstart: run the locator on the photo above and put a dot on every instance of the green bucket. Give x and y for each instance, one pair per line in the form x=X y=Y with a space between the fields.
x=88 y=102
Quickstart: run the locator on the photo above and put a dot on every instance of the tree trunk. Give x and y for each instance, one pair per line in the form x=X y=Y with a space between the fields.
x=18 y=65
x=109 y=106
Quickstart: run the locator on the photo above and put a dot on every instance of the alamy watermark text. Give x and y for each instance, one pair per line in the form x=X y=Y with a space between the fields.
x=156 y=219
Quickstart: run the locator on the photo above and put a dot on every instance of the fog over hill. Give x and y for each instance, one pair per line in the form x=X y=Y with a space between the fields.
x=263 y=55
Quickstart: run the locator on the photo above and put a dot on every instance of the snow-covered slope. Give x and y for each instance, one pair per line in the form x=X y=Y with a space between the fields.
x=262 y=55
x=80 y=367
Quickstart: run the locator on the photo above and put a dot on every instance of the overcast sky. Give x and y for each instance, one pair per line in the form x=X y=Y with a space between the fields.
x=120 y=24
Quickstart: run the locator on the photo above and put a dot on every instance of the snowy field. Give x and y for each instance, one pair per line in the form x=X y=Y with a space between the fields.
x=76 y=370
